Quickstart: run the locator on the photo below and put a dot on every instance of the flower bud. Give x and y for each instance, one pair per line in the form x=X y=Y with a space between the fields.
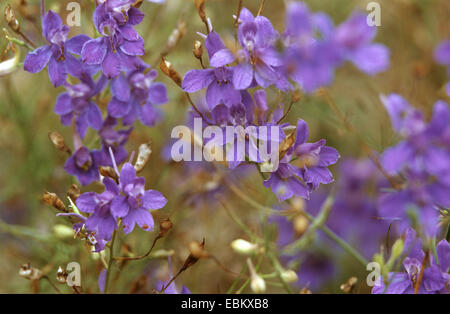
x=63 y=231
x=289 y=276
x=197 y=250
x=244 y=247
x=301 y=224
x=258 y=284
x=298 y=204
x=61 y=275
x=397 y=249
x=165 y=227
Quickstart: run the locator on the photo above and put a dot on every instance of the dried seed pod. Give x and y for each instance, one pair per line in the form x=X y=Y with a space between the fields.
x=53 y=200
x=58 y=141
x=73 y=192
x=109 y=172
x=197 y=250
x=29 y=272
x=198 y=49
x=61 y=275
x=200 y=5
x=175 y=36
x=167 y=69
x=301 y=224
x=165 y=226
x=349 y=285
x=191 y=259
x=10 y=18
x=145 y=151
x=305 y=291
x=138 y=3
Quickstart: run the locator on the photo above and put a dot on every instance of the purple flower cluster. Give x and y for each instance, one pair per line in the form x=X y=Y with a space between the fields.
x=435 y=278
x=96 y=64
x=421 y=159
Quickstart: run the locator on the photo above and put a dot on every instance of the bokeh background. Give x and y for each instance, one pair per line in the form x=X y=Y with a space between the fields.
x=29 y=164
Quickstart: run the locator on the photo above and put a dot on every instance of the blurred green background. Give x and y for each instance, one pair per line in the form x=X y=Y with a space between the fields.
x=29 y=164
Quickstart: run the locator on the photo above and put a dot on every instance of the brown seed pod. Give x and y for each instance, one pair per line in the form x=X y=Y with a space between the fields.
x=167 y=69
x=53 y=200
x=73 y=192
x=58 y=141
x=145 y=151
x=109 y=172
x=198 y=49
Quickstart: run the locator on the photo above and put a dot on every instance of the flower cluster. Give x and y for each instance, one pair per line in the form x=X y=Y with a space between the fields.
x=422 y=273
x=421 y=159
x=109 y=62
x=306 y=54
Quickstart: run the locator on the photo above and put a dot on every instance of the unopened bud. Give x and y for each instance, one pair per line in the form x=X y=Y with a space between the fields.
x=145 y=151
x=397 y=249
x=109 y=172
x=167 y=69
x=198 y=49
x=61 y=275
x=349 y=285
x=53 y=200
x=298 y=204
x=29 y=272
x=289 y=276
x=301 y=224
x=244 y=247
x=257 y=283
x=58 y=141
x=63 y=231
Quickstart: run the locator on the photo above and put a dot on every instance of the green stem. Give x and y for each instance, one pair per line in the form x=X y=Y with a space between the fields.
x=279 y=269
x=110 y=262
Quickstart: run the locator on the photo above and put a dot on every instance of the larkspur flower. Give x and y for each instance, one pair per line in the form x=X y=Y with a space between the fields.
x=113 y=139
x=218 y=80
x=422 y=159
x=77 y=102
x=59 y=54
x=308 y=169
x=121 y=44
x=136 y=96
x=83 y=164
x=258 y=60
x=435 y=278
x=133 y=203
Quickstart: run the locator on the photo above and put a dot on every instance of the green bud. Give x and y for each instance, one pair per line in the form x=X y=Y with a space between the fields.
x=63 y=232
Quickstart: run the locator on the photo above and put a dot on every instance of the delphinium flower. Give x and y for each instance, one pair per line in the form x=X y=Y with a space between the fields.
x=136 y=95
x=258 y=59
x=133 y=203
x=113 y=139
x=120 y=44
x=442 y=56
x=59 y=53
x=77 y=102
x=315 y=48
x=432 y=279
x=309 y=167
x=422 y=159
x=216 y=80
x=83 y=165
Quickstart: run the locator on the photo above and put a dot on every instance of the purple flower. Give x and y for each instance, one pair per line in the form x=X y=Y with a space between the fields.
x=442 y=54
x=259 y=59
x=58 y=54
x=435 y=275
x=133 y=203
x=120 y=44
x=217 y=81
x=77 y=102
x=101 y=222
x=308 y=169
x=135 y=97
x=83 y=164
x=113 y=139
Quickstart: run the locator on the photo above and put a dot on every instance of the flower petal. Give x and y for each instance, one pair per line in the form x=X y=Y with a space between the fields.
x=153 y=200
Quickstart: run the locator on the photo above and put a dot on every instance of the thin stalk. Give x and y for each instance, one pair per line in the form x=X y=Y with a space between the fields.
x=111 y=259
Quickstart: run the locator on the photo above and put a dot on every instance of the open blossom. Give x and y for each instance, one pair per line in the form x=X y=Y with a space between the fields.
x=303 y=168
x=133 y=203
x=315 y=47
x=83 y=164
x=435 y=278
x=59 y=53
x=120 y=44
x=259 y=61
x=113 y=139
x=135 y=96
x=218 y=80
x=77 y=102
x=422 y=159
